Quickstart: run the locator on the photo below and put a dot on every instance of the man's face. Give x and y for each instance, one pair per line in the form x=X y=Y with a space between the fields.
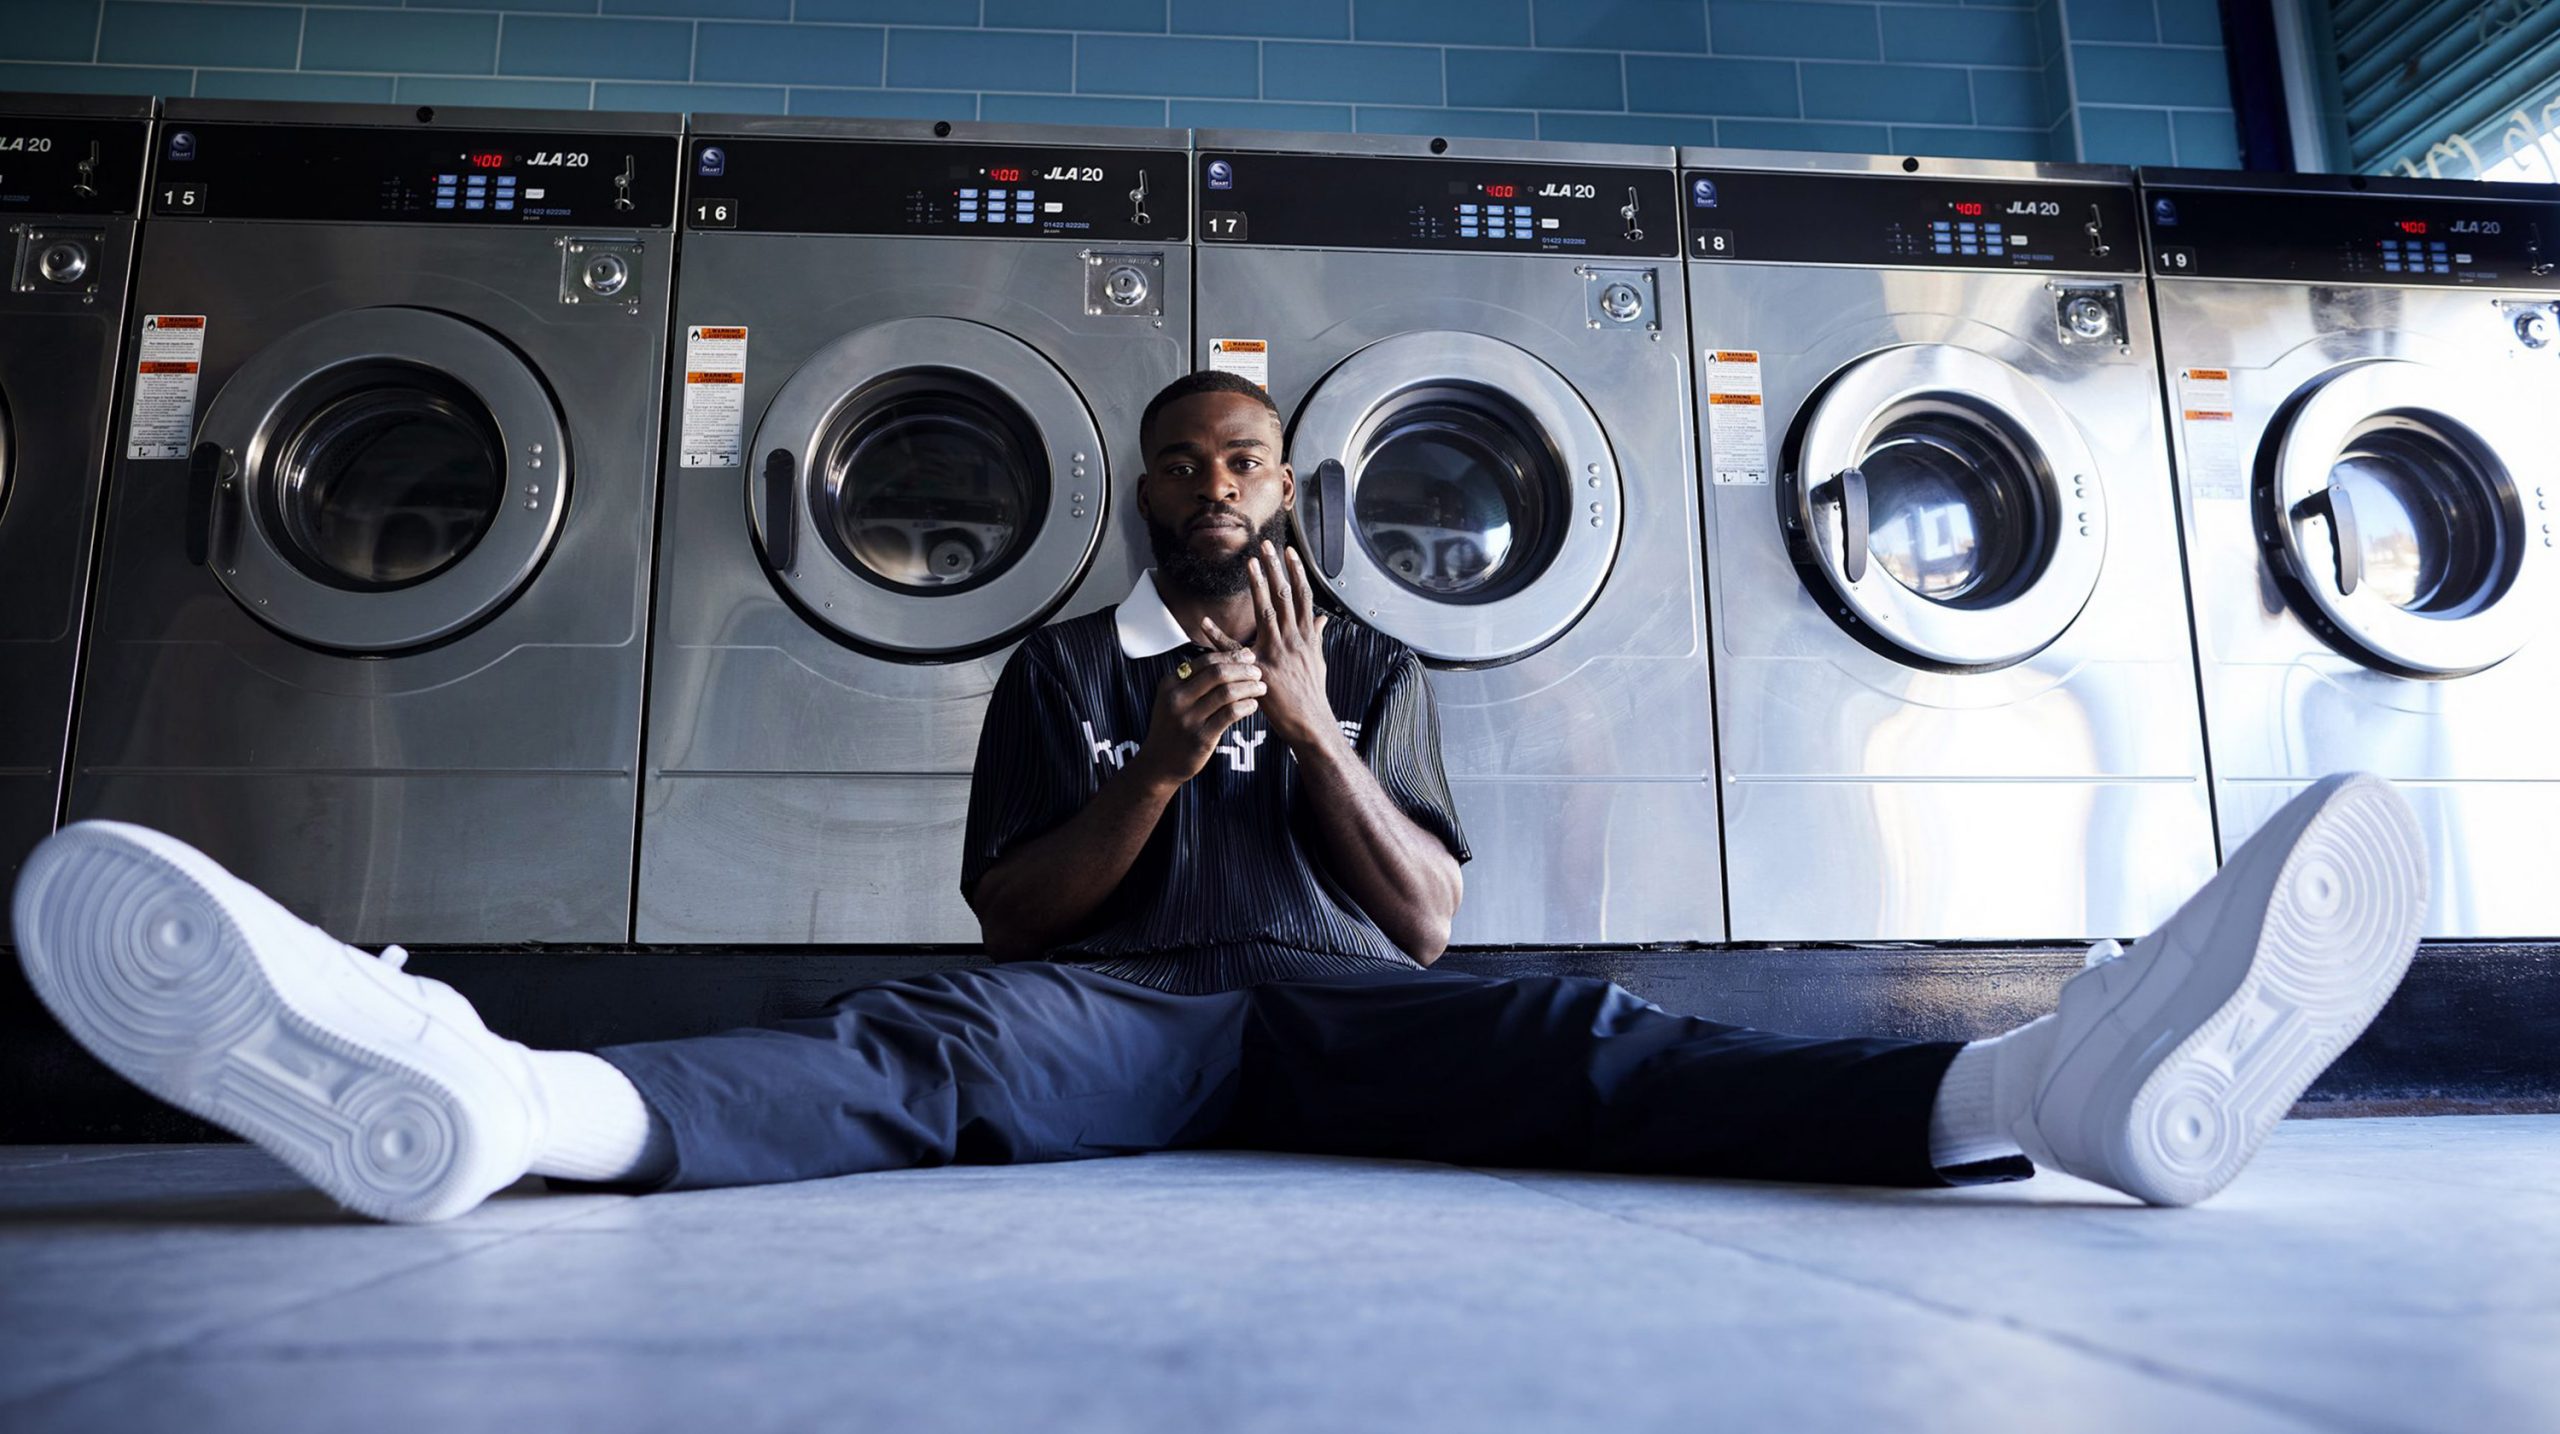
x=1214 y=491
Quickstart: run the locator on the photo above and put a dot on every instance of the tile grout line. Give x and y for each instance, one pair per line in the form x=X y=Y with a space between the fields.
x=2139 y=1364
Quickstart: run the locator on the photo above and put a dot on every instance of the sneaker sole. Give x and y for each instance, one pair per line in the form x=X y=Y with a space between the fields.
x=137 y=956
x=2336 y=937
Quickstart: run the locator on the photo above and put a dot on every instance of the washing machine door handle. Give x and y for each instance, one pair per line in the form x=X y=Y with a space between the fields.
x=781 y=505
x=1849 y=487
x=2340 y=509
x=1331 y=503
x=204 y=494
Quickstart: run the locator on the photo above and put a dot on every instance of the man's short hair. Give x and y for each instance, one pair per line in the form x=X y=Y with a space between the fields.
x=1206 y=381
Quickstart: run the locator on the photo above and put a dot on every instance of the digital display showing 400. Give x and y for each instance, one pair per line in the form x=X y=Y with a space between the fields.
x=1017 y=174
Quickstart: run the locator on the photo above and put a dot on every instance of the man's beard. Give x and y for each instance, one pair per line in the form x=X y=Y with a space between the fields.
x=1211 y=577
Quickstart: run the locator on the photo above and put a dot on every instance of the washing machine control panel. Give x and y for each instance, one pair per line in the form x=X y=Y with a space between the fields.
x=1889 y=220
x=1470 y=205
x=53 y=164
x=819 y=186
x=358 y=174
x=2393 y=238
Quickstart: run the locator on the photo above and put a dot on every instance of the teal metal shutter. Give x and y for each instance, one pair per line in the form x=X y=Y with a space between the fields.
x=2443 y=87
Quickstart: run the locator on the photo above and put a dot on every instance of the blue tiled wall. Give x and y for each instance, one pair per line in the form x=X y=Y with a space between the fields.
x=2144 y=81
x=2097 y=79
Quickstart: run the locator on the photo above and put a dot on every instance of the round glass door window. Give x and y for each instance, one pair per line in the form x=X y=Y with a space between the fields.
x=933 y=484
x=1455 y=500
x=1956 y=514
x=1457 y=494
x=2428 y=523
x=390 y=479
x=927 y=487
x=2397 y=521
x=1944 y=509
x=379 y=479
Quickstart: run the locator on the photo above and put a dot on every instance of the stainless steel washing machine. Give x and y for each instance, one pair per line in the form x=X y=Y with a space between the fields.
x=370 y=620
x=2365 y=375
x=1955 y=693
x=1481 y=351
x=70 y=188
x=904 y=429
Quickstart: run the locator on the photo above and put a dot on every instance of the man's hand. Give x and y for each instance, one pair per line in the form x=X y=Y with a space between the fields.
x=1290 y=647
x=1191 y=715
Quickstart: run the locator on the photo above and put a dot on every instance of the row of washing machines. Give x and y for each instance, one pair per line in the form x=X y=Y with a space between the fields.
x=585 y=528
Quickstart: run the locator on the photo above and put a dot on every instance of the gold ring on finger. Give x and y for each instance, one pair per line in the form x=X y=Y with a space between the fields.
x=1183 y=672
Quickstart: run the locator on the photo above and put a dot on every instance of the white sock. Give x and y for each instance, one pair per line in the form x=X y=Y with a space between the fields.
x=1985 y=1089
x=600 y=1127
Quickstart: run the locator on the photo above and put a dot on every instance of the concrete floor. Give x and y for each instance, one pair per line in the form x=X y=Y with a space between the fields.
x=2363 y=1274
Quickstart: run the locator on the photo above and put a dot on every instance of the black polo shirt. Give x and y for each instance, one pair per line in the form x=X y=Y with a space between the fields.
x=1231 y=887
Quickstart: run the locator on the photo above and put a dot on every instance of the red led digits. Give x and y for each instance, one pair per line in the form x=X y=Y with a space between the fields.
x=2413 y=226
x=488 y=161
x=1968 y=207
x=1502 y=191
x=1005 y=176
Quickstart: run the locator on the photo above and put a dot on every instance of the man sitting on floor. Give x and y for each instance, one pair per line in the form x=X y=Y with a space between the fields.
x=1220 y=816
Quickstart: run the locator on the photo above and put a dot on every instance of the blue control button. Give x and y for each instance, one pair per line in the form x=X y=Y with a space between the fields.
x=2437 y=247
x=968 y=216
x=2390 y=246
x=1968 y=248
x=447 y=178
x=1024 y=196
x=1945 y=247
x=475 y=202
x=506 y=202
x=1520 y=213
x=1469 y=231
x=506 y=181
x=2443 y=267
x=2391 y=266
x=1466 y=209
x=444 y=201
x=999 y=193
x=968 y=194
x=1941 y=226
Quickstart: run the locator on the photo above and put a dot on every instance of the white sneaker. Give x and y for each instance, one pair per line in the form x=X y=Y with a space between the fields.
x=2175 y=1060
x=381 y=1088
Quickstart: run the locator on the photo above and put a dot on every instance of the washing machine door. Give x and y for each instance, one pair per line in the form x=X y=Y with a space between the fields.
x=378 y=480
x=1945 y=509
x=1457 y=494
x=929 y=487
x=2392 y=506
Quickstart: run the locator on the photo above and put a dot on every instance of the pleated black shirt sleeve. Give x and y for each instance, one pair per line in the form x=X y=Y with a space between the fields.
x=1400 y=740
x=1029 y=775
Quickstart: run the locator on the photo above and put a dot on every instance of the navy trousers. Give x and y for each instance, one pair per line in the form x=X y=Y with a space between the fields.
x=1034 y=1061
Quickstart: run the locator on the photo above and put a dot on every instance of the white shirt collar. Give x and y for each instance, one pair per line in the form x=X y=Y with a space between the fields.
x=1146 y=625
